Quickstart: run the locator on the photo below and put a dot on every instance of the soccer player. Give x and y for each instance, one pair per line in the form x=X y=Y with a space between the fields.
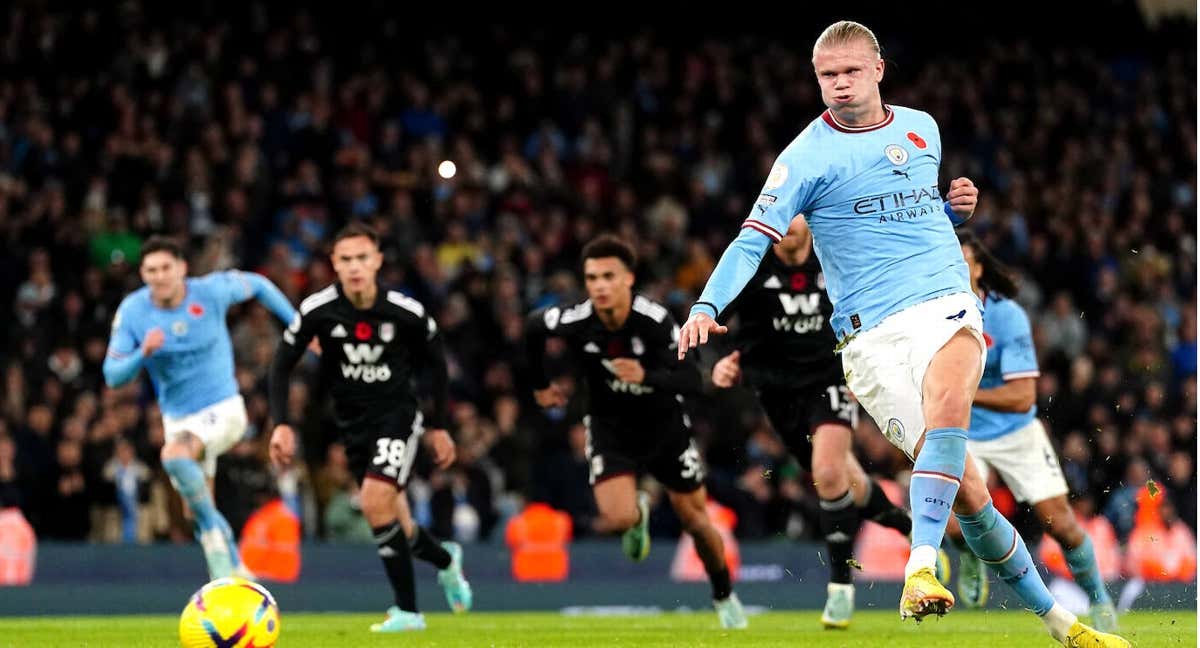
x=372 y=341
x=1006 y=436
x=784 y=351
x=175 y=328
x=865 y=176
x=624 y=344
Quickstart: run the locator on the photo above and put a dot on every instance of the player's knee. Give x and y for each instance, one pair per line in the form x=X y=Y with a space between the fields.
x=178 y=449
x=1064 y=529
x=972 y=495
x=829 y=478
x=948 y=406
x=378 y=504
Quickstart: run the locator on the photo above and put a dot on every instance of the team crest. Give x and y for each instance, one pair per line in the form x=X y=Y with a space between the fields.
x=778 y=176
x=387 y=331
x=894 y=431
x=179 y=328
x=638 y=347
x=896 y=154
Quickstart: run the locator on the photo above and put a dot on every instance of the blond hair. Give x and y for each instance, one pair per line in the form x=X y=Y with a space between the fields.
x=845 y=32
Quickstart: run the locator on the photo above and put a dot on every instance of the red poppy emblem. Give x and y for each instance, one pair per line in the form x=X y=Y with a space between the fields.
x=987 y=339
x=362 y=331
x=196 y=310
x=916 y=140
x=799 y=281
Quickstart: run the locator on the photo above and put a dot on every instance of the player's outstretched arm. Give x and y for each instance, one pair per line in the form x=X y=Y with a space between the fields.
x=737 y=265
x=269 y=295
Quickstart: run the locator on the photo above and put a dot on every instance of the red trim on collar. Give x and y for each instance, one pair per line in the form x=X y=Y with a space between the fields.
x=838 y=126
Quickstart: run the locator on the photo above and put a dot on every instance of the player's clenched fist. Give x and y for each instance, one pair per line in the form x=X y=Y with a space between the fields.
x=442 y=446
x=153 y=342
x=728 y=370
x=283 y=446
x=963 y=197
x=696 y=330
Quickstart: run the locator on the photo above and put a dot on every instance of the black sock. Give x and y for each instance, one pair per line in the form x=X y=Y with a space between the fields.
x=839 y=526
x=426 y=548
x=722 y=587
x=397 y=562
x=880 y=509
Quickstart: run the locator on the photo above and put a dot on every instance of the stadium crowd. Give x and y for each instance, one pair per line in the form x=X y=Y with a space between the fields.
x=255 y=135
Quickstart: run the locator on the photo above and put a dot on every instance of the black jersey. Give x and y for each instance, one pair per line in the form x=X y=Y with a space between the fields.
x=649 y=335
x=368 y=356
x=785 y=336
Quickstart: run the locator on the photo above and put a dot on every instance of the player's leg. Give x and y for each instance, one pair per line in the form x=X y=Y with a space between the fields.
x=691 y=507
x=1026 y=461
x=620 y=507
x=1059 y=521
x=190 y=460
x=445 y=556
x=973 y=585
x=378 y=499
x=838 y=515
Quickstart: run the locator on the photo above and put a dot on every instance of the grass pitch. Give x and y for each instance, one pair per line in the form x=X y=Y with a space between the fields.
x=870 y=628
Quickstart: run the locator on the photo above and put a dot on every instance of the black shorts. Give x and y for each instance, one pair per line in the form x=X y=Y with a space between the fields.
x=666 y=451
x=796 y=413
x=384 y=449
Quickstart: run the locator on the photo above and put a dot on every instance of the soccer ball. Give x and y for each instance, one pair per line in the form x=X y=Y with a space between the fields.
x=230 y=613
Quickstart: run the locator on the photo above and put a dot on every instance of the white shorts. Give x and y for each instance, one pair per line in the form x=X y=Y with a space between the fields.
x=218 y=426
x=1026 y=462
x=885 y=365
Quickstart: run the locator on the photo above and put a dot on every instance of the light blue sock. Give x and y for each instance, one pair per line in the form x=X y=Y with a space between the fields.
x=189 y=480
x=1085 y=569
x=936 y=476
x=997 y=543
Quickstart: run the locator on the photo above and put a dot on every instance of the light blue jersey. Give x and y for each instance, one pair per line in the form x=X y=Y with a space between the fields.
x=194 y=367
x=880 y=228
x=1010 y=356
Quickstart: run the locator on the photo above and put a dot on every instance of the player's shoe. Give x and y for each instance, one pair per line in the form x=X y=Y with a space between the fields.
x=1104 y=617
x=942 y=567
x=924 y=595
x=636 y=541
x=972 y=580
x=839 y=606
x=400 y=621
x=731 y=614
x=1082 y=636
x=458 y=590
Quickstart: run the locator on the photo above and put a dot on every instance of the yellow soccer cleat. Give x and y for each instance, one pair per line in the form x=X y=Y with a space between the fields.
x=924 y=595
x=1082 y=636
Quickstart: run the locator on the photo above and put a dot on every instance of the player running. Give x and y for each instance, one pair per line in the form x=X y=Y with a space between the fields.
x=1006 y=436
x=865 y=176
x=175 y=328
x=372 y=341
x=784 y=351
x=624 y=345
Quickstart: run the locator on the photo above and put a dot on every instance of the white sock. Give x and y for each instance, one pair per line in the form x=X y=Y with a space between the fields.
x=920 y=558
x=1058 y=621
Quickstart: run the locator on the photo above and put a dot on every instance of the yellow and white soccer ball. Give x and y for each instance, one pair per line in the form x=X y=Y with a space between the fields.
x=230 y=613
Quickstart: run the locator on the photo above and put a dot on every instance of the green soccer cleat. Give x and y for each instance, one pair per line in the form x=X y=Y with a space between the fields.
x=972 y=580
x=1104 y=617
x=731 y=614
x=839 y=606
x=400 y=621
x=636 y=541
x=458 y=590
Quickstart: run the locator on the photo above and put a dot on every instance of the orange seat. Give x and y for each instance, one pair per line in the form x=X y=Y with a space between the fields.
x=18 y=548
x=270 y=544
x=538 y=538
